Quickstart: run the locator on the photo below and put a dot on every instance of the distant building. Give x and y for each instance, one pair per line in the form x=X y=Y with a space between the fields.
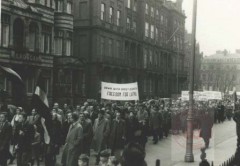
x=131 y=40
x=187 y=62
x=221 y=71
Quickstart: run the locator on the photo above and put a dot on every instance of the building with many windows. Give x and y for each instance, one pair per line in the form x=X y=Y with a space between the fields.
x=37 y=35
x=221 y=71
x=126 y=41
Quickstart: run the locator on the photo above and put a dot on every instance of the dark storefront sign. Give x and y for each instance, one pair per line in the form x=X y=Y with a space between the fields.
x=26 y=57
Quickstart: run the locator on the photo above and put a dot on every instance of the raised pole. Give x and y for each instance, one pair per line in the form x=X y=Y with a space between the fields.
x=189 y=144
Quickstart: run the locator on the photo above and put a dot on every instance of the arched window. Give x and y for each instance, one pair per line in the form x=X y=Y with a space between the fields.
x=18 y=34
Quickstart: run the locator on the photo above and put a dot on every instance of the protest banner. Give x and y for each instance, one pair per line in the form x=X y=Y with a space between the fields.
x=213 y=95
x=119 y=92
x=202 y=96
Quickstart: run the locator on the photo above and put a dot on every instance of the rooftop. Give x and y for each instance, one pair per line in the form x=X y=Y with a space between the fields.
x=224 y=55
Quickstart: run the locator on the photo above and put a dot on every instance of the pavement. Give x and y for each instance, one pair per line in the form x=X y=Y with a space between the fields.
x=171 y=150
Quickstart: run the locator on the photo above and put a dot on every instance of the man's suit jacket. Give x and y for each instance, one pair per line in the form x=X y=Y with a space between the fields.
x=5 y=136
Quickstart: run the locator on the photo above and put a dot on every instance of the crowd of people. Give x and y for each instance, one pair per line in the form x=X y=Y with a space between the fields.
x=115 y=133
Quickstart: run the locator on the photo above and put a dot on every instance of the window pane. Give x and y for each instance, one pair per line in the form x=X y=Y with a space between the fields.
x=5 y=35
x=102 y=11
x=69 y=8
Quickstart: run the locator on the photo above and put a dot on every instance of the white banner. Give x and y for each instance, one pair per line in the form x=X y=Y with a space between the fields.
x=213 y=95
x=202 y=96
x=122 y=92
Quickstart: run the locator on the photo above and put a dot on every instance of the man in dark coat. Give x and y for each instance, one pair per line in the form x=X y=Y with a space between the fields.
x=101 y=131
x=132 y=127
x=5 y=137
x=206 y=128
x=117 y=135
x=23 y=138
x=52 y=149
x=65 y=127
x=156 y=123
x=73 y=146
x=87 y=133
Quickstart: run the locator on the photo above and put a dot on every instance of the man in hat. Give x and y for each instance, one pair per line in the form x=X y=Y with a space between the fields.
x=117 y=135
x=104 y=157
x=83 y=160
x=206 y=128
x=87 y=133
x=101 y=130
x=5 y=137
x=23 y=138
x=73 y=146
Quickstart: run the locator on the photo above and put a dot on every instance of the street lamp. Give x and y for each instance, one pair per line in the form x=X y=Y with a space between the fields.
x=189 y=144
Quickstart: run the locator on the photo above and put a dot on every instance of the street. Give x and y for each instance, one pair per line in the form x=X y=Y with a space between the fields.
x=171 y=150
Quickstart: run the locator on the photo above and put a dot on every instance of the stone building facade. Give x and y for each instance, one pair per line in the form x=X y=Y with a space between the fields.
x=37 y=35
x=126 y=41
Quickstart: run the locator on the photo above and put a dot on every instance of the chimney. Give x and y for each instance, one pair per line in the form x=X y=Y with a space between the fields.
x=238 y=51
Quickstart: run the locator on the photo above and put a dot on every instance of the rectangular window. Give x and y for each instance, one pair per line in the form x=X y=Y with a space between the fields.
x=156 y=34
x=161 y=19
x=152 y=31
x=5 y=35
x=146 y=29
x=152 y=12
x=68 y=47
x=134 y=26
x=32 y=41
x=150 y=58
x=68 y=50
x=69 y=8
x=83 y=10
x=118 y=17
x=5 y=23
x=157 y=12
x=30 y=85
x=46 y=39
x=103 y=14
x=146 y=8
x=118 y=49
x=102 y=45
x=144 y=58
x=59 y=43
x=111 y=20
x=128 y=23
x=47 y=80
x=48 y=3
x=129 y=4
x=150 y=85
x=135 y=6
x=60 y=5
x=110 y=47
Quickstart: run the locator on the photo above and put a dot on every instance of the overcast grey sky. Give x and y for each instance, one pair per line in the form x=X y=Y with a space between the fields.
x=218 y=24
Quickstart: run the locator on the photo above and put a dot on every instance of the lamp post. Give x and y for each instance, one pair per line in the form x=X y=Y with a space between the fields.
x=189 y=144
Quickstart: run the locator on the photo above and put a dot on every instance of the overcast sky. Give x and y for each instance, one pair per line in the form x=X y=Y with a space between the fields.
x=218 y=24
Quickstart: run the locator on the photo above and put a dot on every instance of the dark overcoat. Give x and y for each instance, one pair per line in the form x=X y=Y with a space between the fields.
x=117 y=134
x=5 y=137
x=72 y=148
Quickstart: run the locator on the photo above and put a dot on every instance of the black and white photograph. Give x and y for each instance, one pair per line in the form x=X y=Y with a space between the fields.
x=120 y=83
